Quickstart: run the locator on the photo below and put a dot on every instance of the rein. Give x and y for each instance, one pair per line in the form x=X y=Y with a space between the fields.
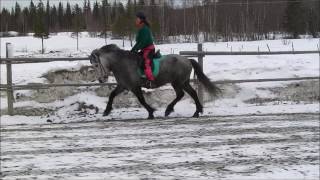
x=103 y=69
x=97 y=59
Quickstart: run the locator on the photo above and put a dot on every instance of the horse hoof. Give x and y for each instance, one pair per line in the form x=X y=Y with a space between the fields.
x=196 y=115
x=168 y=112
x=105 y=113
x=151 y=117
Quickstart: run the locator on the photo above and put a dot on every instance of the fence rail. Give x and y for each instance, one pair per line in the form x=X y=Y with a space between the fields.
x=217 y=53
x=201 y=53
x=10 y=87
x=45 y=86
x=4 y=87
x=38 y=60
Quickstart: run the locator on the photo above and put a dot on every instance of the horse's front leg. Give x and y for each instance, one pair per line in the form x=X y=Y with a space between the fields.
x=139 y=94
x=114 y=93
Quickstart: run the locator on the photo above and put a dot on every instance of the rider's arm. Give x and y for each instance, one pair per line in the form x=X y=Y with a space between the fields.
x=144 y=38
x=137 y=46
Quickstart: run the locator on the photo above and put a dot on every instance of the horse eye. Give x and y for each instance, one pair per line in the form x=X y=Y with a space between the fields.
x=96 y=65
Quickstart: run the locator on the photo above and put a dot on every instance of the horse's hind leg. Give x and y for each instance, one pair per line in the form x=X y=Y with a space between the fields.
x=113 y=94
x=139 y=94
x=180 y=94
x=189 y=89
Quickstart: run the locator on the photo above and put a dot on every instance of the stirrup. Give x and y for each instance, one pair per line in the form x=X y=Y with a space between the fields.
x=149 y=84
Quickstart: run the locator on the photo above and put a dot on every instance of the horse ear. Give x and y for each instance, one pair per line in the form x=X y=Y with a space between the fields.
x=94 y=56
x=91 y=58
x=96 y=52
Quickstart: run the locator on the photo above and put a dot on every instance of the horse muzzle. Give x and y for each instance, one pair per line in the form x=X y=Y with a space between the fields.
x=103 y=79
x=100 y=81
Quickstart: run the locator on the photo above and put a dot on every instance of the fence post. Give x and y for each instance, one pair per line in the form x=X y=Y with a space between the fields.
x=319 y=48
x=200 y=61
x=9 y=79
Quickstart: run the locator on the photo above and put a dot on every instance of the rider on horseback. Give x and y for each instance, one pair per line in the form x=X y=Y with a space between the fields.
x=144 y=42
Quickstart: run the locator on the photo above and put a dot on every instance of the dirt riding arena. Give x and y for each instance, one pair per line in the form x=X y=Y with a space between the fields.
x=274 y=146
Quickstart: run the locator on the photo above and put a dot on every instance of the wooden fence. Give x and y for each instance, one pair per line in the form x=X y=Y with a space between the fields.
x=200 y=54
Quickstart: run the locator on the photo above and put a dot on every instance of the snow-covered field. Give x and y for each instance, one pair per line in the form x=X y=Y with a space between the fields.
x=254 y=131
x=216 y=67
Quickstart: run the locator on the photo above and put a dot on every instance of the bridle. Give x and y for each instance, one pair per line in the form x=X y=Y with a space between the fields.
x=97 y=60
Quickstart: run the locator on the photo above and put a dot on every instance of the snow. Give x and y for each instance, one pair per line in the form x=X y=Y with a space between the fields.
x=205 y=148
x=221 y=107
x=255 y=147
x=216 y=67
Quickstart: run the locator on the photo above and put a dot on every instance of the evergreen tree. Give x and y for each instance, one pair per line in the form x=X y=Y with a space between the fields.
x=47 y=16
x=135 y=5
x=18 y=18
x=118 y=27
x=154 y=18
x=12 y=25
x=25 y=16
x=130 y=18
x=89 y=6
x=77 y=24
x=40 y=30
x=120 y=9
x=32 y=17
x=68 y=17
x=53 y=18
x=90 y=22
x=85 y=11
x=105 y=18
x=85 y=6
x=5 y=16
x=294 y=18
x=60 y=16
x=141 y=4
x=96 y=16
x=313 y=22
x=212 y=17
x=114 y=13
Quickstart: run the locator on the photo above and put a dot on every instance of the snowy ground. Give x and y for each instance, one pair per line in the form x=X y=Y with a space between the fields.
x=254 y=131
x=278 y=147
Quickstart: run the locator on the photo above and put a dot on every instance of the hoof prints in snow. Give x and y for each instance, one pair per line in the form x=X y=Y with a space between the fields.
x=218 y=147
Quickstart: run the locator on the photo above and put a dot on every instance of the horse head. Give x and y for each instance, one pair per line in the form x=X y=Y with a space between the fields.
x=100 y=65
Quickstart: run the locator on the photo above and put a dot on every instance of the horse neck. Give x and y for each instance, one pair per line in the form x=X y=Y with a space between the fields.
x=121 y=59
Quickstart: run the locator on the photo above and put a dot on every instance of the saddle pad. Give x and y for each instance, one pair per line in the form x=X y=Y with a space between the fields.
x=155 y=70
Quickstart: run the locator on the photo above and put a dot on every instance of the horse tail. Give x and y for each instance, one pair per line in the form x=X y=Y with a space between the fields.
x=210 y=87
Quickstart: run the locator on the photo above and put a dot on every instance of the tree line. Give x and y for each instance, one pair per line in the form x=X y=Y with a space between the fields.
x=210 y=20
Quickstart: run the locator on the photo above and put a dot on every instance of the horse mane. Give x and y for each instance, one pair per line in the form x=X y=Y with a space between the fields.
x=120 y=52
x=110 y=48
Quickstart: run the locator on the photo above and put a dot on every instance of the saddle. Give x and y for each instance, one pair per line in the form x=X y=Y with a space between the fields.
x=152 y=55
x=155 y=58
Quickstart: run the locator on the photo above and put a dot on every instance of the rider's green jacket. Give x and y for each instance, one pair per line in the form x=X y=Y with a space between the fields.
x=144 y=39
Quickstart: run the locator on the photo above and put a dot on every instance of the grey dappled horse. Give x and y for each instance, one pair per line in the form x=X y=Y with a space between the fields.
x=174 y=69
